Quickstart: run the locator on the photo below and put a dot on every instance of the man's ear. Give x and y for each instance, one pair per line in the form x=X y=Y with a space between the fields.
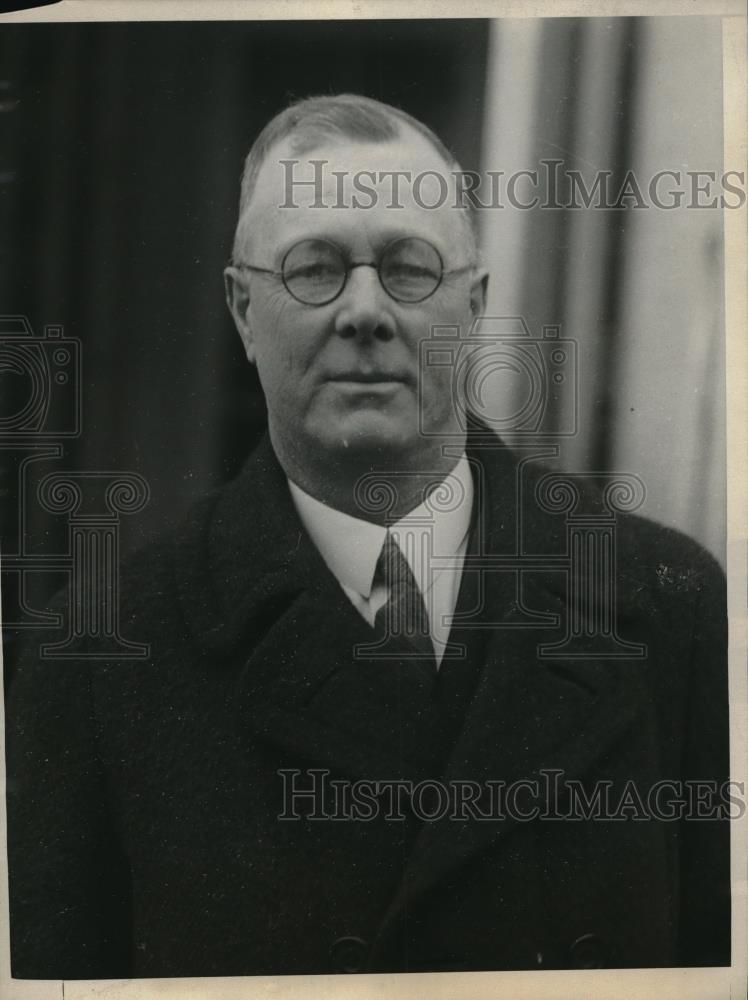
x=478 y=291
x=237 y=299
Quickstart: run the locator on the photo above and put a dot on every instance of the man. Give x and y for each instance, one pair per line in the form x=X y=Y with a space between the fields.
x=341 y=638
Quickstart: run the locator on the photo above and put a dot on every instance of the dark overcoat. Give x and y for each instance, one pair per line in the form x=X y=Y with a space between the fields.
x=144 y=796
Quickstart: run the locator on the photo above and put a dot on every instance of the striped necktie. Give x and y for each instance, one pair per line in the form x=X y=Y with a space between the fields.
x=403 y=617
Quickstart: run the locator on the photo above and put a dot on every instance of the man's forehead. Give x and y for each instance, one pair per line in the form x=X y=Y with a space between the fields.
x=401 y=179
x=409 y=152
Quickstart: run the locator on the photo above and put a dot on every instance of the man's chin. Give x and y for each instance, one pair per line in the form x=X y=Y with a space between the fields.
x=372 y=434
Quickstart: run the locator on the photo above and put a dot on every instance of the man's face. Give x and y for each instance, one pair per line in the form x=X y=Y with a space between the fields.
x=342 y=379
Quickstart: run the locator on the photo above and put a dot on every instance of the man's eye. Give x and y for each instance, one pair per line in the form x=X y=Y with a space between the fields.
x=313 y=272
x=409 y=271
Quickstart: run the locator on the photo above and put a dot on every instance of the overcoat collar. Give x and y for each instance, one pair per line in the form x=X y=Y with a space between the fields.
x=243 y=550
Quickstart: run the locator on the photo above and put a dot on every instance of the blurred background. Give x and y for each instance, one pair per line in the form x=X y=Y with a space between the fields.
x=121 y=147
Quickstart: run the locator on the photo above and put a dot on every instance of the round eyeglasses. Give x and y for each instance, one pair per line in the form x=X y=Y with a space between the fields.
x=315 y=271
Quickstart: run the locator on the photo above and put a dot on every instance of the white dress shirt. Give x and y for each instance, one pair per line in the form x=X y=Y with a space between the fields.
x=433 y=538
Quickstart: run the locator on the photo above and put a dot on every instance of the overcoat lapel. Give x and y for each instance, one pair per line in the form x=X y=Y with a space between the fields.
x=304 y=691
x=266 y=595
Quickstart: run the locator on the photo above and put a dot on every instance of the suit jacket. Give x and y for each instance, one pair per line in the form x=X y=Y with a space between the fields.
x=144 y=796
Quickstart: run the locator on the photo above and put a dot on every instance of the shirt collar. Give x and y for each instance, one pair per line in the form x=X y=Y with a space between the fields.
x=351 y=546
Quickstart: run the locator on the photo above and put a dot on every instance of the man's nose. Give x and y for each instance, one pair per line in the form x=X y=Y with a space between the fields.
x=364 y=308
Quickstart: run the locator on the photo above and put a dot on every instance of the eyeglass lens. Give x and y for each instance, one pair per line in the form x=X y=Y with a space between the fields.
x=315 y=271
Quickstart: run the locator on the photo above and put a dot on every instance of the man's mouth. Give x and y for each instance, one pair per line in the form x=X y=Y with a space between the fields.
x=369 y=377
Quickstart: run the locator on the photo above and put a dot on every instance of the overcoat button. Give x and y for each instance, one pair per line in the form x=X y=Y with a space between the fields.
x=587 y=952
x=348 y=954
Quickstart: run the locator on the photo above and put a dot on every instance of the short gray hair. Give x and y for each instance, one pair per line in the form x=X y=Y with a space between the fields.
x=349 y=116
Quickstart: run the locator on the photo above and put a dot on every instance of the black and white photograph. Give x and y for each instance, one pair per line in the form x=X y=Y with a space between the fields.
x=368 y=500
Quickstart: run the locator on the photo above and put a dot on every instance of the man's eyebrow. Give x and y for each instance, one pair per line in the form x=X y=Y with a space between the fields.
x=378 y=241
